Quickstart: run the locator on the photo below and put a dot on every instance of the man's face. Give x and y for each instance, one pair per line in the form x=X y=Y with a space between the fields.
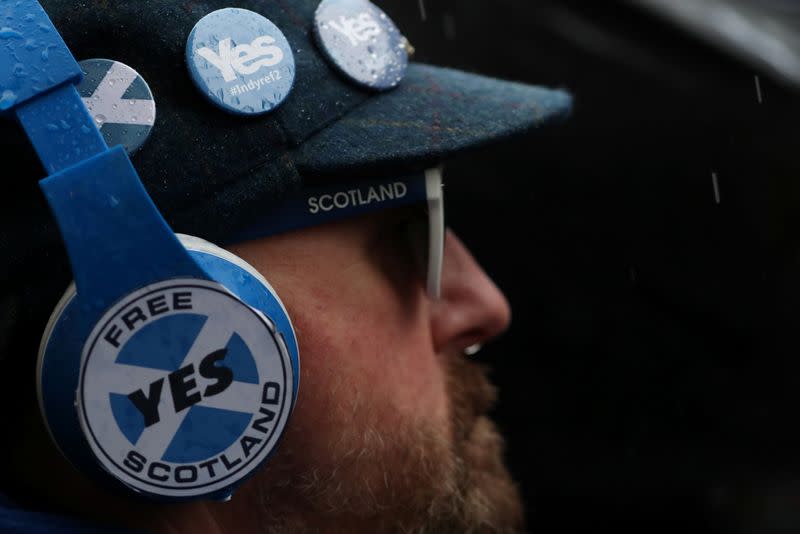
x=389 y=431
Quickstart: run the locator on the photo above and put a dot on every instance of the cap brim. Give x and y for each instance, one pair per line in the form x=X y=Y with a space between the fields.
x=435 y=112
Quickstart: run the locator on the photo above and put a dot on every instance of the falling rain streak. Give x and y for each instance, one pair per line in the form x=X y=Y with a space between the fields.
x=758 y=89
x=716 y=187
x=449 y=26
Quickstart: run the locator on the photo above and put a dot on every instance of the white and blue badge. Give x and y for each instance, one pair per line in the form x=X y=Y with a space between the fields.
x=183 y=389
x=240 y=61
x=120 y=102
x=362 y=42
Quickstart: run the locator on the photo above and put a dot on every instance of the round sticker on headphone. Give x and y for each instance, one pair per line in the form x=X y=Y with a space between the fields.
x=240 y=61
x=120 y=102
x=184 y=390
x=362 y=42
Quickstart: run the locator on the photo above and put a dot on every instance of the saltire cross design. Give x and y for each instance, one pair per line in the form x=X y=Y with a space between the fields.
x=120 y=102
x=200 y=410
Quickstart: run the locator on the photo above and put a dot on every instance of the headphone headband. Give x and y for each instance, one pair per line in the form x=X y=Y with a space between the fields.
x=143 y=312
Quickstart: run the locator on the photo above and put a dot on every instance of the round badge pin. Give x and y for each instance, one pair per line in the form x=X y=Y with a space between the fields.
x=184 y=390
x=120 y=102
x=240 y=61
x=362 y=42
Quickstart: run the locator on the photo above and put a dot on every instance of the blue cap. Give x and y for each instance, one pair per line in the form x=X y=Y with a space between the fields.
x=212 y=172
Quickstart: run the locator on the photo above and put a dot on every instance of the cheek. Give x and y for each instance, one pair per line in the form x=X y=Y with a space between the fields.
x=366 y=361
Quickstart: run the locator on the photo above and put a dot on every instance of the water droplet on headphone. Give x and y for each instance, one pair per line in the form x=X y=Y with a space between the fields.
x=8 y=33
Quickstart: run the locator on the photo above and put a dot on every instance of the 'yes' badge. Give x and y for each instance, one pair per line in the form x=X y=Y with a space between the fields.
x=362 y=42
x=240 y=61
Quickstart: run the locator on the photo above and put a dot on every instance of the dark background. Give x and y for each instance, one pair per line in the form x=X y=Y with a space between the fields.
x=650 y=380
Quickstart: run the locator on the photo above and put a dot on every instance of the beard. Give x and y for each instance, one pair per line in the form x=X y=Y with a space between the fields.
x=406 y=477
x=487 y=499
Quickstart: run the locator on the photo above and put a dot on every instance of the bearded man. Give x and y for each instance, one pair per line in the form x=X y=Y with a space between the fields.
x=329 y=187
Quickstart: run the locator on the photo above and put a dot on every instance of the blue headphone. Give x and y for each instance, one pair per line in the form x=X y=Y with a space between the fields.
x=170 y=367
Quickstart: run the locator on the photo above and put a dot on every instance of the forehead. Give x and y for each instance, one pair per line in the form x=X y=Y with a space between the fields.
x=384 y=232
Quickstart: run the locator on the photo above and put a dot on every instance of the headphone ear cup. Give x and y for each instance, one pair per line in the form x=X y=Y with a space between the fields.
x=60 y=351
x=247 y=283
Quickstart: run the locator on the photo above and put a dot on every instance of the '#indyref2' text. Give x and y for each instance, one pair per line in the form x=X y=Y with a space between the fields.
x=255 y=84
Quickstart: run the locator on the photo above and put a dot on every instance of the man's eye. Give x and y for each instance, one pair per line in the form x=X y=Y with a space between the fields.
x=415 y=233
x=403 y=246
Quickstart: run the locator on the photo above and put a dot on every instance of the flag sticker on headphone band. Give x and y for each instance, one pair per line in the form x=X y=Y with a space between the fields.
x=362 y=42
x=120 y=102
x=240 y=61
x=184 y=390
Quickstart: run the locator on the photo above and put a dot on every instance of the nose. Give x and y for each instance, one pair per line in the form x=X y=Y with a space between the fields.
x=472 y=309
